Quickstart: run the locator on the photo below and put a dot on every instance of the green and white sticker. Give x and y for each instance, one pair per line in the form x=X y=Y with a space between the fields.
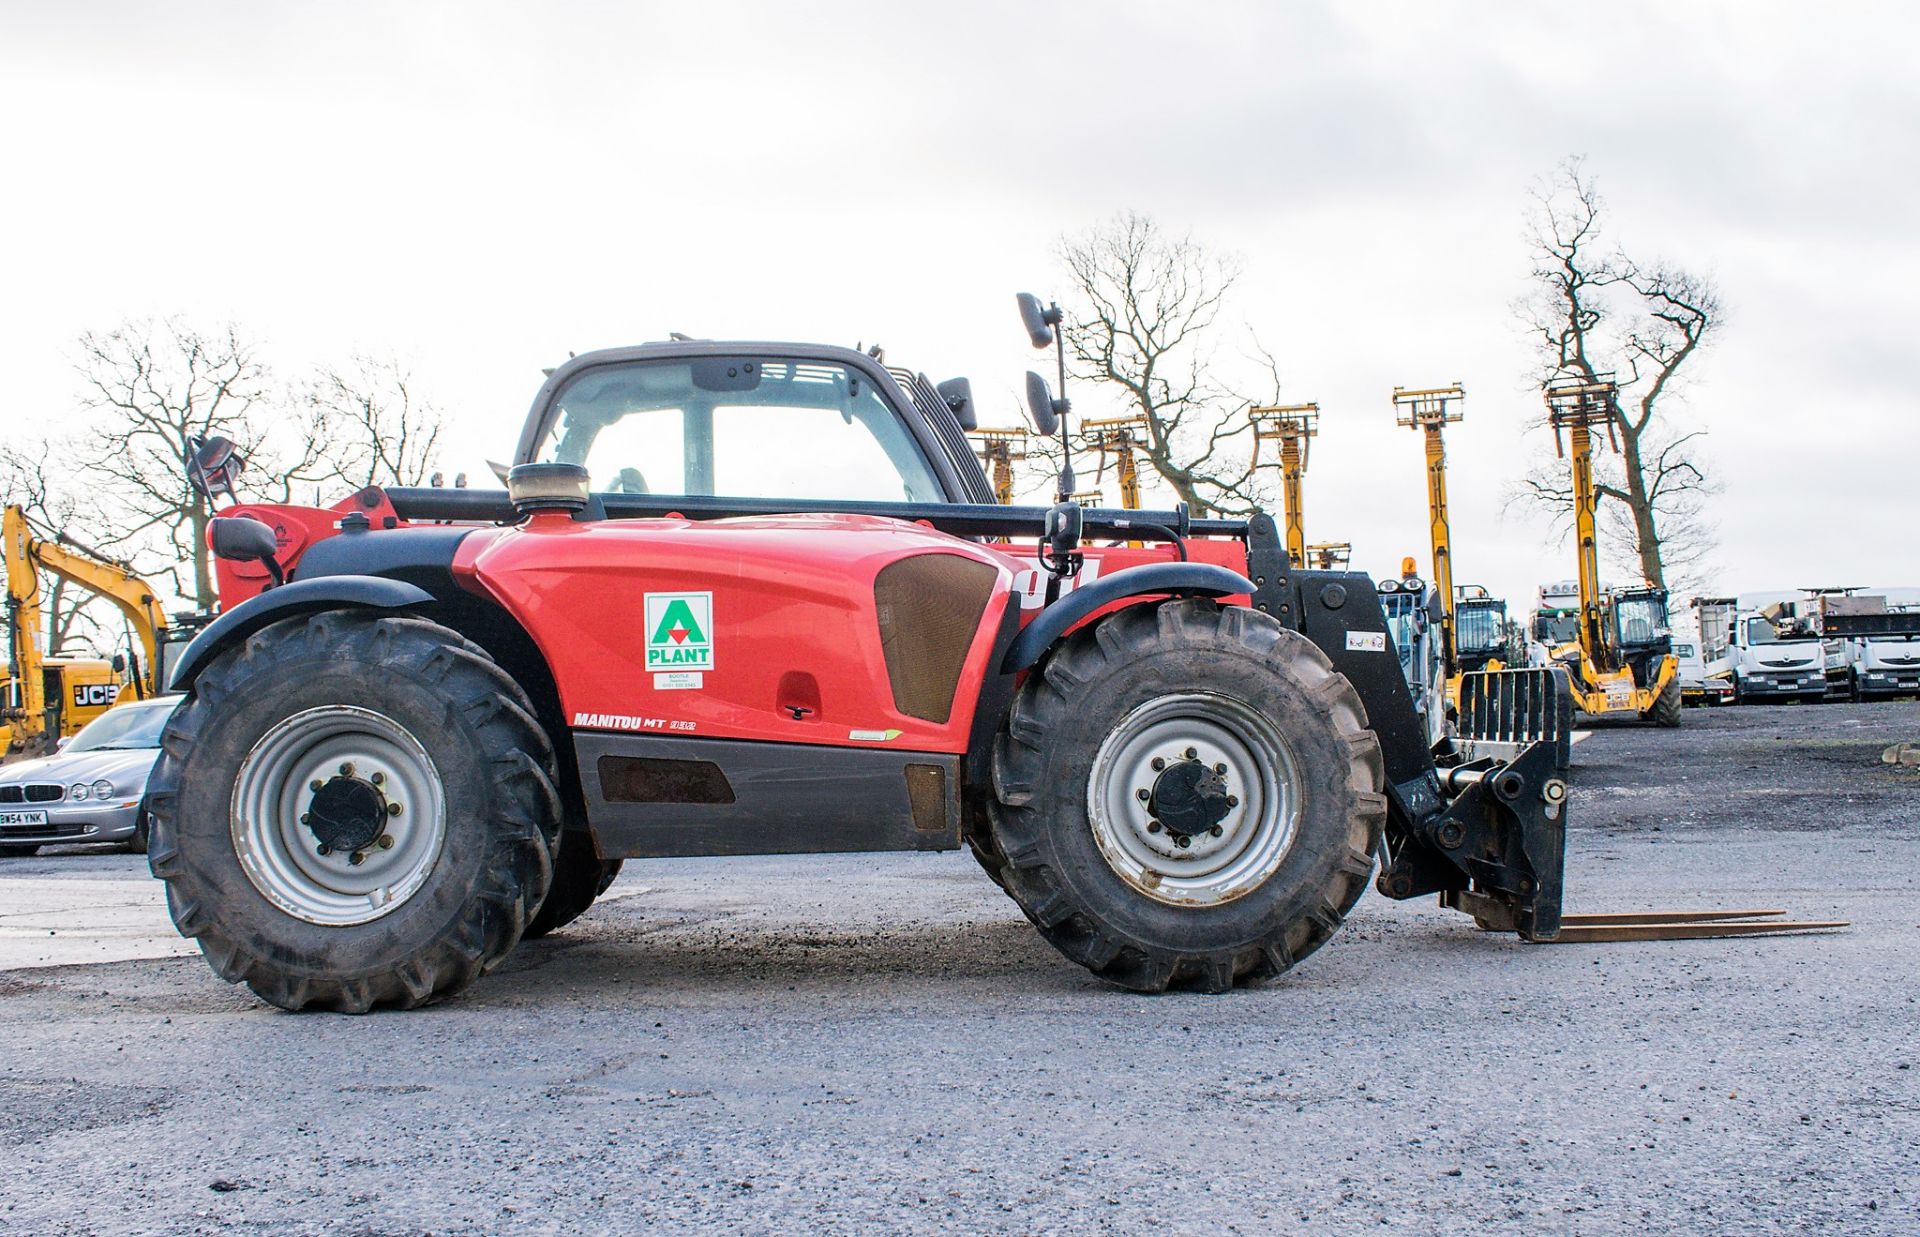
x=679 y=631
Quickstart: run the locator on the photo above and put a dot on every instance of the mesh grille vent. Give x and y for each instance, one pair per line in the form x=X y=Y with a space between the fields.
x=929 y=608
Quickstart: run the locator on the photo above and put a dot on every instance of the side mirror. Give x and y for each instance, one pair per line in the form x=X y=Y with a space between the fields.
x=958 y=393
x=213 y=465
x=1038 y=320
x=119 y=663
x=1041 y=405
x=242 y=539
x=62 y=741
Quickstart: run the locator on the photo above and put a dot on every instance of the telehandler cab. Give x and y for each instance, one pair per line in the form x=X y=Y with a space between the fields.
x=432 y=721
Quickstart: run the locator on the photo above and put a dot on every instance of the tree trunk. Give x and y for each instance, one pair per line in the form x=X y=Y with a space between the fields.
x=1646 y=533
x=205 y=595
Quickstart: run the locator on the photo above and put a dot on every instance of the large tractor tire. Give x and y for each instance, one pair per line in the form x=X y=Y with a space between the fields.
x=579 y=877
x=1667 y=706
x=354 y=810
x=1187 y=795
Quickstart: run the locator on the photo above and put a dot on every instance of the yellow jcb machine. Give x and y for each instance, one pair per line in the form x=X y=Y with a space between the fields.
x=998 y=450
x=1119 y=435
x=44 y=699
x=1473 y=623
x=1294 y=427
x=1621 y=663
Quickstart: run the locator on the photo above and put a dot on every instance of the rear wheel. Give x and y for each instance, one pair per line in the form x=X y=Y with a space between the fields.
x=354 y=810
x=579 y=877
x=1187 y=795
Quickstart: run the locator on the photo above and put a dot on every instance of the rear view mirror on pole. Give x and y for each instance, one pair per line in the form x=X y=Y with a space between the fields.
x=1038 y=320
x=1040 y=405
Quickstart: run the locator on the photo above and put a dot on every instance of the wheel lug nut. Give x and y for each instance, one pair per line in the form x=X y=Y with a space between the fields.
x=346 y=768
x=394 y=809
x=386 y=840
x=1193 y=753
x=1144 y=794
x=1182 y=841
x=325 y=849
x=304 y=818
x=1159 y=764
x=379 y=778
x=1233 y=800
x=1153 y=826
x=357 y=858
x=1216 y=831
x=1221 y=769
x=314 y=785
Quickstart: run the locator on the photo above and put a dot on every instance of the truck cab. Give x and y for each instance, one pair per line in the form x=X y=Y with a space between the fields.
x=1872 y=650
x=1776 y=654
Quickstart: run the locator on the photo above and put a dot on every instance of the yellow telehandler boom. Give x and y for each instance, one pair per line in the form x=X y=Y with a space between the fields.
x=998 y=449
x=1120 y=436
x=1621 y=663
x=1294 y=427
x=1429 y=410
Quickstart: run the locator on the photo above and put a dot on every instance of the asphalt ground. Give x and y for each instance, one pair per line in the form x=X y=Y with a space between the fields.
x=882 y=1045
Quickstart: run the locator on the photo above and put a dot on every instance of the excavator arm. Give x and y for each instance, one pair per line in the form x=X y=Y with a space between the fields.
x=26 y=556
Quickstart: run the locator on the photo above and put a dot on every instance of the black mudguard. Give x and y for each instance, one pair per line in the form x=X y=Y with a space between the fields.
x=287 y=601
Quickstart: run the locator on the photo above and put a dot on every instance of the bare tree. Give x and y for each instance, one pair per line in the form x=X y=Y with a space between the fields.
x=156 y=385
x=29 y=479
x=1142 y=316
x=1594 y=312
x=382 y=431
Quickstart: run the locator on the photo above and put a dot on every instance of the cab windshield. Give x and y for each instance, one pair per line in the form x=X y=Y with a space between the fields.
x=1760 y=631
x=1642 y=620
x=1479 y=628
x=1556 y=626
x=739 y=427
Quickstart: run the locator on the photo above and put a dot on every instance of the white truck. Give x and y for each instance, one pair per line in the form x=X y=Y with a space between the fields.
x=1775 y=653
x=1872 y=651
x=1702 y=642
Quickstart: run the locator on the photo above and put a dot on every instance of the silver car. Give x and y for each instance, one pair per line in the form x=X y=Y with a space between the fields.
x=91 y=789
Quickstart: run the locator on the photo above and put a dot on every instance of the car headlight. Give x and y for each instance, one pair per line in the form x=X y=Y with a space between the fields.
x=77 y=791
x=103 y=789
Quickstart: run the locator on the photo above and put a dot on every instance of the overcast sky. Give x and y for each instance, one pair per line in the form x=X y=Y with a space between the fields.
x=484 y=188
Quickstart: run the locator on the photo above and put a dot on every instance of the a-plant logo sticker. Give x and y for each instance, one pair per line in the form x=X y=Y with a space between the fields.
x=679 y=631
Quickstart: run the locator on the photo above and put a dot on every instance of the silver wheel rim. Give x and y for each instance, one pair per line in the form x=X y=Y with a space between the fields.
x=1252 y=838
x=284 y=859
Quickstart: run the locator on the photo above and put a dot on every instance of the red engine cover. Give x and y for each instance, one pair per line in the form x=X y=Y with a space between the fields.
x=717 y=628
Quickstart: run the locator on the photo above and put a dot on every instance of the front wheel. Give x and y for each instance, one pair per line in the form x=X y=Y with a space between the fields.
x=1187 y=795
x=137 y=841
x=1666 y=707
x=354 y=810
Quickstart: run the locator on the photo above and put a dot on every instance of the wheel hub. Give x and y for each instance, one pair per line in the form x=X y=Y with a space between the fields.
x=1188 y=798
x=1193 y=798
x=346 y=814
x=338 y=815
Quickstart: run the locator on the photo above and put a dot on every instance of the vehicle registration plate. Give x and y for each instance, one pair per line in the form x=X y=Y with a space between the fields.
x=23 y=818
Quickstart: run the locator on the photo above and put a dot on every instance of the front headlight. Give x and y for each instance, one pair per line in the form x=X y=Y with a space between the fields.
x=77 y=792
x=103 y=789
